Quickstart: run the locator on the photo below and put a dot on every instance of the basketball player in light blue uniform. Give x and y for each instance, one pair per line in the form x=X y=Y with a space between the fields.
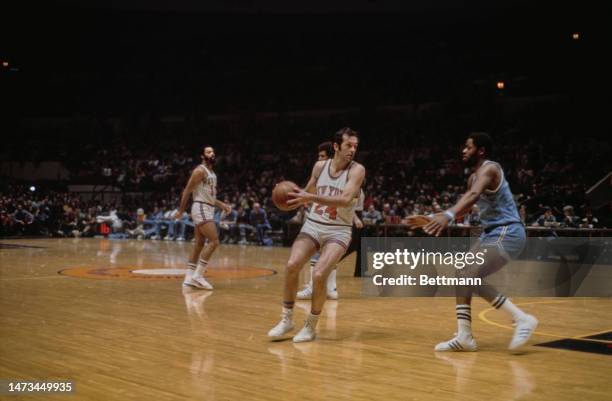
x=503 y=236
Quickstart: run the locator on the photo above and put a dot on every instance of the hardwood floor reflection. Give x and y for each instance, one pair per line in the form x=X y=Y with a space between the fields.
x=123 y=337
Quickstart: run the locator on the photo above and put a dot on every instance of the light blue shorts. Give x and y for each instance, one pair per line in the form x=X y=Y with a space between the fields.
x=509 y=240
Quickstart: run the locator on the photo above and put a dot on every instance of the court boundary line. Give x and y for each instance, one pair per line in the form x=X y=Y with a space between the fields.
x=482 y=316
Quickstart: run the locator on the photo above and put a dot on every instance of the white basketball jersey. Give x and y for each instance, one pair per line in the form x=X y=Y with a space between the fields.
x=327 y=185
x=360 y=200
x=206 y=190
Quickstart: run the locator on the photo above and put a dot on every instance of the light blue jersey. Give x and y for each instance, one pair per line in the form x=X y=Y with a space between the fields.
x=497 y=207
x=502 y=227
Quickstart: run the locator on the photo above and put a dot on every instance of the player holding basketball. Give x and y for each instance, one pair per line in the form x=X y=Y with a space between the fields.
x=203 y=186
x=503 y=236
x=326 y=150
x=332 y=189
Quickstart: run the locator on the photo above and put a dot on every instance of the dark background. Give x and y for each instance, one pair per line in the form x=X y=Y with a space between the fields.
x=117 y=84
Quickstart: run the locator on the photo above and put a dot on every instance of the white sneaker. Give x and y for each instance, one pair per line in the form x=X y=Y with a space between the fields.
x=332 y=294
x=283 y=327
x=458 y=344
x=197 y=282
x=156 y=238
x=180 y=239
x=306 y=293
x=522 y=332
x=168 y=238
x=307 y=333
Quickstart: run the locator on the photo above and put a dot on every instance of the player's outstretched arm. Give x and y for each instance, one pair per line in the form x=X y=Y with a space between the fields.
x=351 y=191
x=440 y=221
x=197 y=176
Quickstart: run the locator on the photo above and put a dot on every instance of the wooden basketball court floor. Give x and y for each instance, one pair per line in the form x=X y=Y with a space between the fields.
x=123 y=335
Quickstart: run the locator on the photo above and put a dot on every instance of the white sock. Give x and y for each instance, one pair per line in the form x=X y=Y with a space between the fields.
x=190 y=270
x=503 y=303
x=464 y=320
x=312 y=320
x=201 y=268
x=288 y=312
x=331 y=280
x=312 y=265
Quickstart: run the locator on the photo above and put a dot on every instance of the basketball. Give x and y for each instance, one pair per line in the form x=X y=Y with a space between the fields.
x=280 y=194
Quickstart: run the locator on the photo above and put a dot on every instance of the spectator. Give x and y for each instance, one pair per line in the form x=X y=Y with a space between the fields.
x=227 y=225
x=242 y=226
x=138 y=232
x=114 y=220
x=569 y=218
x=372 y=216
x=474 y=216
x=153 y=223
x=259 y=220
x=589 y=220
x=6 y=222
x=547 y=219
x=22 y=219
x=176 y=227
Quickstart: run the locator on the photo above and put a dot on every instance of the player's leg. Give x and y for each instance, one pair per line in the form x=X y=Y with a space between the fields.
x=502 y=244
x=306 y=293
x=510 y=243
x=464 y=339
x=193 y=258
x=330 y=255
x=301 y=250
x=332 y=288
x=208 y=231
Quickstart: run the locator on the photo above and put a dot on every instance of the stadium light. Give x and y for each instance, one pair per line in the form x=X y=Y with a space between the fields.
x=576 y=35
x=501 y=85
x=5 y=64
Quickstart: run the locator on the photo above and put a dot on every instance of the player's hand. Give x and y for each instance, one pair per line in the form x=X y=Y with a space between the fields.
x=358 y=223
x=299 y=197
x=418 y=221
x=437 y=224
x=226 y=208
x=178 y=215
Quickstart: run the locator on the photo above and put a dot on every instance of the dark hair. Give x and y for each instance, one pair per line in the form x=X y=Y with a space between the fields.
x=327 y=148
x=338 y=136
x=204 y=149
x=482 y=140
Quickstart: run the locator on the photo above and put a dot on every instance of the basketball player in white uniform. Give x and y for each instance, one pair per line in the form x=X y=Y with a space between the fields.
x=326 y=151
x=202 y=185
x=332 y=189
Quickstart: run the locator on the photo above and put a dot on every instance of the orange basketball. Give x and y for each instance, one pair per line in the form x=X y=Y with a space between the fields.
x=280 y=194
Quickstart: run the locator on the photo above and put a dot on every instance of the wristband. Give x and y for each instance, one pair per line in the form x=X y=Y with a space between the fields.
x=449 y=214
